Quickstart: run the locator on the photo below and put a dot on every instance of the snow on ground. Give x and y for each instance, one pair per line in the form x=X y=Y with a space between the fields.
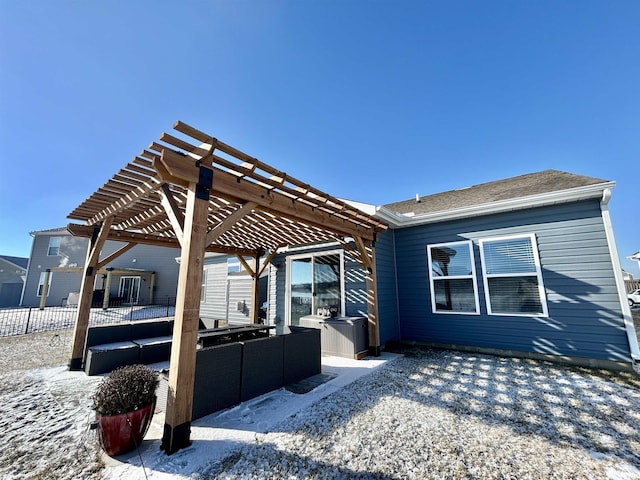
x=427 y=414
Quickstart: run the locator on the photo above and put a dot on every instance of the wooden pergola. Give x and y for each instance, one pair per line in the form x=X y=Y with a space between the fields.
x=193 y=192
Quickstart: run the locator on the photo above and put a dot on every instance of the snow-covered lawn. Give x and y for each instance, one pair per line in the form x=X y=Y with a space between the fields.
x=427 y=414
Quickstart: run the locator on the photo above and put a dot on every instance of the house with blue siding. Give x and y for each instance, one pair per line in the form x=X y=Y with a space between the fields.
x=524 y=266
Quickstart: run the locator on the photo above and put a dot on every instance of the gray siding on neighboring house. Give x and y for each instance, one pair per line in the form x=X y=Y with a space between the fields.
x=161 y=260
x=228 y=296
x=585 y=317
x=277 y=289
x=214 y=306
x=72 y=254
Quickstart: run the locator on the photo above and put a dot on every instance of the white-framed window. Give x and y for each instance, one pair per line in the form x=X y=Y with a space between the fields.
x=234 y=266
x=452 y=278
x=41 y=283
x=54 y=247
x=512 y=276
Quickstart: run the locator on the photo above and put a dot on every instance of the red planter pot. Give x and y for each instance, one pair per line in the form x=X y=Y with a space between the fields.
x=121 y=433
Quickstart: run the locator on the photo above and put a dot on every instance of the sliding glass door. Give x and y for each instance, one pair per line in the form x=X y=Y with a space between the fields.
x=315 y=285
x=129 y=289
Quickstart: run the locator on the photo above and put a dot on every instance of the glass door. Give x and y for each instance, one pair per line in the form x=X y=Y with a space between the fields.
x=129 y=289
x=300 y=275
x=315 y=285
x=326 y=284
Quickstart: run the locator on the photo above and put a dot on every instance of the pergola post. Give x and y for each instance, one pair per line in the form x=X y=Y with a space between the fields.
x=86 y=293
x=45 y=289
x=152 y=286
x=177 y=427
x=365 y=254
x=372 y=306
x=255 y=290
x=107 y=289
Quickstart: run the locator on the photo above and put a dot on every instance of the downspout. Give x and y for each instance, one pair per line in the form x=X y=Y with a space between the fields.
x=617 y=270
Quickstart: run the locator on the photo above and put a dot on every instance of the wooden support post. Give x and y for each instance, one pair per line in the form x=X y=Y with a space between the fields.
x=107 y=289
x=45 y=289
x=372 y=307
x=255 y=290
x=86 y=294
x=367 y=259
x=177 y=427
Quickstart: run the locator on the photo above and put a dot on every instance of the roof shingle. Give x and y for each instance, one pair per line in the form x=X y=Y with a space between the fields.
x=526 y=185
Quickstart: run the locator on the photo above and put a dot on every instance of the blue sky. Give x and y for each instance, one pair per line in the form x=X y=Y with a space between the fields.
x=372 y=100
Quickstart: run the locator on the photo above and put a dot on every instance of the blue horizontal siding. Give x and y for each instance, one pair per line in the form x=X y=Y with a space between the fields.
x=387 y=289
x=585 y=316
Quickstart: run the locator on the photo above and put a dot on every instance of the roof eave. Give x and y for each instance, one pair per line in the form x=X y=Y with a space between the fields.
x=397 y=220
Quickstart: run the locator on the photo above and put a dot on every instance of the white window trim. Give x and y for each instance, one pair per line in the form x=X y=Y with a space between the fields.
x=473 y=277
x=309 y=255
x=538 y=273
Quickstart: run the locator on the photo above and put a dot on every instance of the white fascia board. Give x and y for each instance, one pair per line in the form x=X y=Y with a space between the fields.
x=363 y=207
x=56 y=232
x=310 y=246
x=397 y=220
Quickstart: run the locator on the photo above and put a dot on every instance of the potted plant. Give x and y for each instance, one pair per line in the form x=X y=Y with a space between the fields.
x=124 y=402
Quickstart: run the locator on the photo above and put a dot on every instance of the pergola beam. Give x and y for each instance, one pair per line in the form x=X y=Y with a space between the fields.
x=155 y=240
x=229 y=222
x=173 y=211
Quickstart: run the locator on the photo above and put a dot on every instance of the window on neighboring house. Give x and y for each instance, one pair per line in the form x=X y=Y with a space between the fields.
x=452 y=277
x=54 y=246
x=203 y=288
x=41 y=283
x=234 y=266
x=512 y=276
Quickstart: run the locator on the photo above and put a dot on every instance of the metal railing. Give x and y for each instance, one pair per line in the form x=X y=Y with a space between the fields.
x=23 y=320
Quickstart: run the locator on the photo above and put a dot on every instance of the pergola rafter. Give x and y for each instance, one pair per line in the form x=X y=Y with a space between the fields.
x=191 y=191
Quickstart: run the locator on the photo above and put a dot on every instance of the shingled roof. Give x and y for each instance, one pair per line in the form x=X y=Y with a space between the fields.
x=531 y=184
x=21 y=262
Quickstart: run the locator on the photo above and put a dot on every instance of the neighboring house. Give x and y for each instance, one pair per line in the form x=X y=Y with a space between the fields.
x=12 y=274
x=636 y=257
x=525 y=266
x=142 y=275
x=226 y=290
